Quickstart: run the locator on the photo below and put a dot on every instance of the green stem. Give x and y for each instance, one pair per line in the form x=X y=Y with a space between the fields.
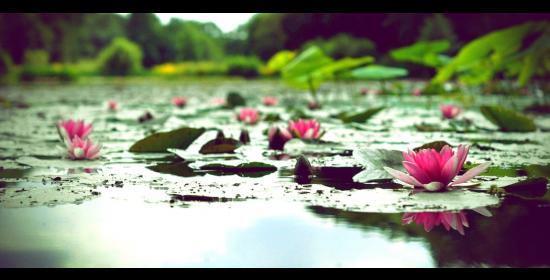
x=312 y=89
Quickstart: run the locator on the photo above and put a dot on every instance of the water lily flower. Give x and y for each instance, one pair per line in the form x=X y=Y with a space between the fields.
x=435 y=171
x=365 y=91
x=249 y=115
x=417 y=92
x=218 y=101
x=278 y=138
x=270 y=101
x=179 y=101
x=450 y=111
x=313 y=105
x=81 y=149
x=305 y=129
x=456 y=221
x=113 y=105
x=74 y=128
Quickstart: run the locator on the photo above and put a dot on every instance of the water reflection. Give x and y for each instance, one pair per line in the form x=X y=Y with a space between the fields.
x=515 y=236
x=454 y=220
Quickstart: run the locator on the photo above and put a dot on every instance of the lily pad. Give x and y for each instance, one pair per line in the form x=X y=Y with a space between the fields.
x=508 y=119
x=436 y=145
x=360 y=117
x=177 y=139
x=250 y=169
x=374 y=162
x=220 y=145
x=234 y=99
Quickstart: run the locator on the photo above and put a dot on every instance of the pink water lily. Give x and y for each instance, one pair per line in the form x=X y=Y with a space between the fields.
x=82 y=149
x=248 y=115
x=112 y=105
x=305 y=129
x=456 y=221
x=417 y=92
x=435 y=171
x=450 y=111
x=270 y=101
x=218 y=101
x=366 y=91
x=179 y=101
x=74 y=128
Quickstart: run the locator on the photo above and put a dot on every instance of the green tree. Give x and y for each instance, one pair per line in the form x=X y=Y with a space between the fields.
x=122 y=57
x=146 y=30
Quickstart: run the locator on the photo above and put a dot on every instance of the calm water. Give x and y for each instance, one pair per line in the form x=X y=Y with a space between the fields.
x=161 y=210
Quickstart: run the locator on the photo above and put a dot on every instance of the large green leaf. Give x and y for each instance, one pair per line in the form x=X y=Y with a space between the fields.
x=279 y=60
x=507 y=119
x=482 y=58
x=425 y=52
x=376 y=72
x=300 y=72
x=157 y=143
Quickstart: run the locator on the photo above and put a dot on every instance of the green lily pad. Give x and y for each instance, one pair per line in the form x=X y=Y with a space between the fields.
x=220 y=145
x=180 y=138
x=436 y=145
x=507 y=119
x=360 y=117
x=250 y=169
x=234 y=99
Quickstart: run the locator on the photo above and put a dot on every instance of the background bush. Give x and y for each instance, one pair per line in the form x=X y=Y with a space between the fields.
x=122 y=57
x=244 y=66
x=343 y=45
x=7 y=71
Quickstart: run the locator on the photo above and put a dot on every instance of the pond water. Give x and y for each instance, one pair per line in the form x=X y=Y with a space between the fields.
x=168 y=210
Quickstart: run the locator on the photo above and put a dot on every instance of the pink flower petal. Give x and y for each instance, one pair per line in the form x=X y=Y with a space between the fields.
x=471 y=173
x=402 y=177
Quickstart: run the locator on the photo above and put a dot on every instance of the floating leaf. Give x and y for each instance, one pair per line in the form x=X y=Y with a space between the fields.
x=360 y=117
x=507 y=119
x=436 y=145
x=533 y=187
x=250 y=169
x=374 y=162
x=180 y=138
x=234 y=99
x=220 y=145
x=181 y=169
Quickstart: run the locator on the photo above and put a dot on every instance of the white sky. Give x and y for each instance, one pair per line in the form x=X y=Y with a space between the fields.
x=225 y=21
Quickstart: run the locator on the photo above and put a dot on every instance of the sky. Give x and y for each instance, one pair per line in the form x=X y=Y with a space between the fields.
x=225 y=21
